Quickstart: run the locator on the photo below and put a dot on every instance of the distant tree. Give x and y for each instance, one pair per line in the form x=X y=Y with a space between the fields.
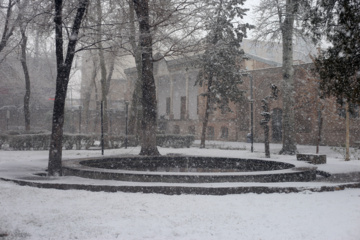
x=267 y=115
x=11 y=20
x=308 y=93
x=276 y=22
x=339 y=65
x=27 y=79
x=62 y=79
x=106 y=70
x=220 y=64
x=27 y=18
x=136 y=106
x=176 y=28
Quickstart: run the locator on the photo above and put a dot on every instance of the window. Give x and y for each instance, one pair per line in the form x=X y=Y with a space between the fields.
x=224 y=132
x=353 y=110
x=176 y=129
x=276 y=125
x=183 y=108
x=197 y=104
x=210 y=132
x=168 y=106
x=224 y=109
x=162 y=124
x=192 y=130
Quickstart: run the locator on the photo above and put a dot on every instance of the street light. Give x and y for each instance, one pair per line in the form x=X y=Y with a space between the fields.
x=126 y=123
x=80 y=119
x=102 y=127
x=252 y=113
x=7 y=119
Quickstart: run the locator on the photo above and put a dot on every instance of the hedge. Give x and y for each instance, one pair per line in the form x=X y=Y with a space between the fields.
x=41 y=141
x=174 y=140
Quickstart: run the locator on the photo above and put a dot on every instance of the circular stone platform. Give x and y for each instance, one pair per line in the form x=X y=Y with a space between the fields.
x=187 y=169
x=29 y=175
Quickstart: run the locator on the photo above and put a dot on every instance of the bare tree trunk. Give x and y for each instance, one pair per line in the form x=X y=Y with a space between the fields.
x=103 y=74
x=97 y=106
x=149 y=124
x=207 y=113
x=347 y=137
x=110 y=72
x=62 y=80
x=267 y=143
x=265 y=122
x=320 y=124
x=135 y=111
x=27 y=80
x=209 y=83
x=8 y=30
x=289 y=137
x=87 y=96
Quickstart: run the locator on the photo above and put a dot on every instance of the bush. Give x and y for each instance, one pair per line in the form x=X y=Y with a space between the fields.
x=174 y=140
x=115 y=141
x=42 y=141
x=163 y=140
x=3 y=139
x=30 y=141
x=132 y=141
x=79 y=140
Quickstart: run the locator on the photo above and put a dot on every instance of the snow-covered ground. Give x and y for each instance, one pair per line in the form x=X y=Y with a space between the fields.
x=32 y=213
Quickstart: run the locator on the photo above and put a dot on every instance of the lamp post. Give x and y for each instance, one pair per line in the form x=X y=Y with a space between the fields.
x=80 y=108
x=126 y=123
x=251 y=113
x=102 y=128
x=7 y=119
x=72 y=125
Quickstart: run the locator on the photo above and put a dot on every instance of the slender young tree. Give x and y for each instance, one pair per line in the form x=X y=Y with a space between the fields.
x=27 y=79
x=24 y=21
x=136 y=109
x=149 y=103
x=62 y=80
x=220 y=68
x=10 y=22
x=276 y=22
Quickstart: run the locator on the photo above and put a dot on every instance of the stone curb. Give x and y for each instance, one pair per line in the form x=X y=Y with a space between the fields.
x=177 y=190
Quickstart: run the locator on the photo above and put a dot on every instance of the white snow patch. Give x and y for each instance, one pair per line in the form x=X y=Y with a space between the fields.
x=32 y=213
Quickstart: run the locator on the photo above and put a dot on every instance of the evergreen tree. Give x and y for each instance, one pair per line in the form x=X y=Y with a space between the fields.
x=339 y=65
x=220 y=70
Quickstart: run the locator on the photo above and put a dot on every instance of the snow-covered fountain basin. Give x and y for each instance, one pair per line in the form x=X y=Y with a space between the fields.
x=188 y=169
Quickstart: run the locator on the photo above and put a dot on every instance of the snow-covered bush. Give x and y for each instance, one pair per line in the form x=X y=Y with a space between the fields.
x=39 y=141
x=174 y=140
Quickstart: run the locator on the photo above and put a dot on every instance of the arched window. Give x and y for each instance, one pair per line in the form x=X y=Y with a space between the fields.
x=210 y=133
x=192 y=130
x=276 y=125
x=176 y=129
x=224 y=132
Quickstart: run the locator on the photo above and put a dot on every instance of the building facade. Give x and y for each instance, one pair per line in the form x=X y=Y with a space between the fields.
x=181 y=105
